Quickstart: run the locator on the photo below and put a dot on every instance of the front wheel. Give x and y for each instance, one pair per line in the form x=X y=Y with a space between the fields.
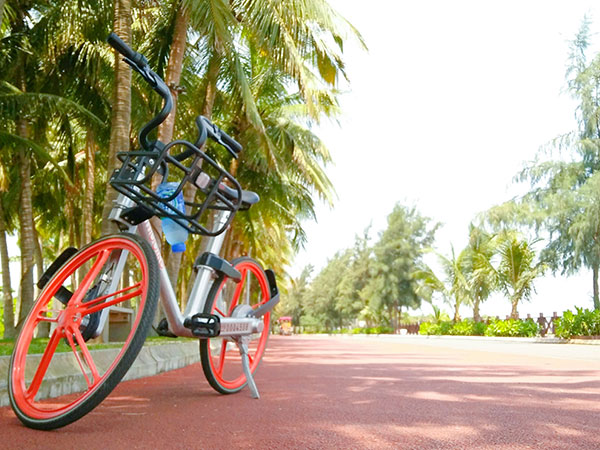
x=221 y=360
x=119 y=272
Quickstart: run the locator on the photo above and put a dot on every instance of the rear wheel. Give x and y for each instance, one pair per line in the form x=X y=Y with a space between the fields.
x=99 y=283
x=221 y=360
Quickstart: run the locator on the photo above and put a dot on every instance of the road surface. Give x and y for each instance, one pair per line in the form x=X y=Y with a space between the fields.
x=356 y=392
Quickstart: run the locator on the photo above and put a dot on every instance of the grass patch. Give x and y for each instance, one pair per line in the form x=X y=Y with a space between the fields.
x=38 y=345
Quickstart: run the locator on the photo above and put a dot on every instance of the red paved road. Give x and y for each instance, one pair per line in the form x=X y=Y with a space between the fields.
x=351 y=393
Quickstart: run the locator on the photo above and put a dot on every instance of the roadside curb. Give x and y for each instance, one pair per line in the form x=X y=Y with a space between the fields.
x=407 y=337
x=153 y=359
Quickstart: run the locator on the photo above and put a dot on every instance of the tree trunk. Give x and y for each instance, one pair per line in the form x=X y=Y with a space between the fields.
x=174 y=69
x=9 y=318
x=88 y=196
x=212 y=76
x=70 y=207
x=43 y=327
x=87 y=219
x=27 y=234
x=514 y=314
x=595 y=287
x=394 y=315
x=121 y=108
x=37 y=254
x=456 y=311
x=476 y=314
x=167 y=128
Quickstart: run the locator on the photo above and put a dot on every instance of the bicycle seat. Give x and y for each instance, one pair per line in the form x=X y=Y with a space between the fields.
x=249 y=198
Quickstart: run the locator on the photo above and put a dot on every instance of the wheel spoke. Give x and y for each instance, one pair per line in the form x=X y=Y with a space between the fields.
x=41 y=317
x=34 y=387
x=222 y=356
x=91 y=276
x=100 y=303
x=78 y=358
x=238 y=291
x=88 y=358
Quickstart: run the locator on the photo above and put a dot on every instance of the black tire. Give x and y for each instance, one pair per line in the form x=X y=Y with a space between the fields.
x=98 y=378
x=228 y=377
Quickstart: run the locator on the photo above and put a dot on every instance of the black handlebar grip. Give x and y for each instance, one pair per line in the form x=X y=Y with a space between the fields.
x=119 y=45
x=232 y=143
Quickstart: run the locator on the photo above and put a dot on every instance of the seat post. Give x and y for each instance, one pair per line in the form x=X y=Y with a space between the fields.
x=203 y=278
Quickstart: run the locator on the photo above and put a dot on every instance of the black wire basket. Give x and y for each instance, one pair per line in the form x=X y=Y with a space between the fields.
x=206 y=186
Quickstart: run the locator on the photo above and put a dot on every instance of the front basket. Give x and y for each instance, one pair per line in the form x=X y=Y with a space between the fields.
x=198 y=175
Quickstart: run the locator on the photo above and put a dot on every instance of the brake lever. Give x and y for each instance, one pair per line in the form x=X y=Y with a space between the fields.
x=207 y=129
x=144 y=71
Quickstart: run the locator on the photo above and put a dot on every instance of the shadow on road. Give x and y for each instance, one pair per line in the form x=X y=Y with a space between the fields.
x=351 y=393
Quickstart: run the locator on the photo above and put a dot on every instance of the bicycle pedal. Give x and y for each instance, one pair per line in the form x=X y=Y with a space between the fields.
x=163 y=329
x=204 y=325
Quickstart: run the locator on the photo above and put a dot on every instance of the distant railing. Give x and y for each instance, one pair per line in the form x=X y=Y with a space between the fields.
x=546 y=324
x=411 y=328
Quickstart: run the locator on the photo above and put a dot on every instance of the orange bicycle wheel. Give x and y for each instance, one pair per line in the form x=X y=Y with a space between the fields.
x=95 y=280
x=221 y=360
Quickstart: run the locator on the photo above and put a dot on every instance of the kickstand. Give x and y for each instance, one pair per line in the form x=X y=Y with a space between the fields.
x=243 y=346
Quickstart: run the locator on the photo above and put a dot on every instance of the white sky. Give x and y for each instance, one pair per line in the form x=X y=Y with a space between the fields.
x=446 y=107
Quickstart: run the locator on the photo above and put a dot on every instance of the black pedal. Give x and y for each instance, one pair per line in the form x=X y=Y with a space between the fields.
x=204 y=325
x=163 y=329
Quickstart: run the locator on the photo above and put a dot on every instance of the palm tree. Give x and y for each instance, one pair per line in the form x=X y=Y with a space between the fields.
x=121 y=107
x=237 y=57
x=7 y=298
x=559 y=201
x=232 y=36
x=517 y=269
x=481 y=275
x=454 y=286
x=31 y=112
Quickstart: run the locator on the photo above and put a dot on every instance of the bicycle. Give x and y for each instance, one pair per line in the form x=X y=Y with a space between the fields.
x=228 y=307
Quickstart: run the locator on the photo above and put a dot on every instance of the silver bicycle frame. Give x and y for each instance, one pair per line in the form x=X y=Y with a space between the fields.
x=230 y=327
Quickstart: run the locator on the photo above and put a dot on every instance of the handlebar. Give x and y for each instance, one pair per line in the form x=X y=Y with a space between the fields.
x=139 y=63
x=206 y=128
x=119 y=45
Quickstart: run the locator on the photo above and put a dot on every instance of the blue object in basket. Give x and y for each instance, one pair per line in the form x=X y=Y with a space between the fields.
x=176 y=235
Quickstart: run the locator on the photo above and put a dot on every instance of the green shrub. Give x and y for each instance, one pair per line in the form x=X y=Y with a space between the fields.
x=584 y=323
x=440 y=328
x=466 y=327
x=462 y=328
x=529 y=328
x=479 y=328
x=424 y=328
x=372 y=330
x=383 y=330
x=512 y=328
x=445 y=327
